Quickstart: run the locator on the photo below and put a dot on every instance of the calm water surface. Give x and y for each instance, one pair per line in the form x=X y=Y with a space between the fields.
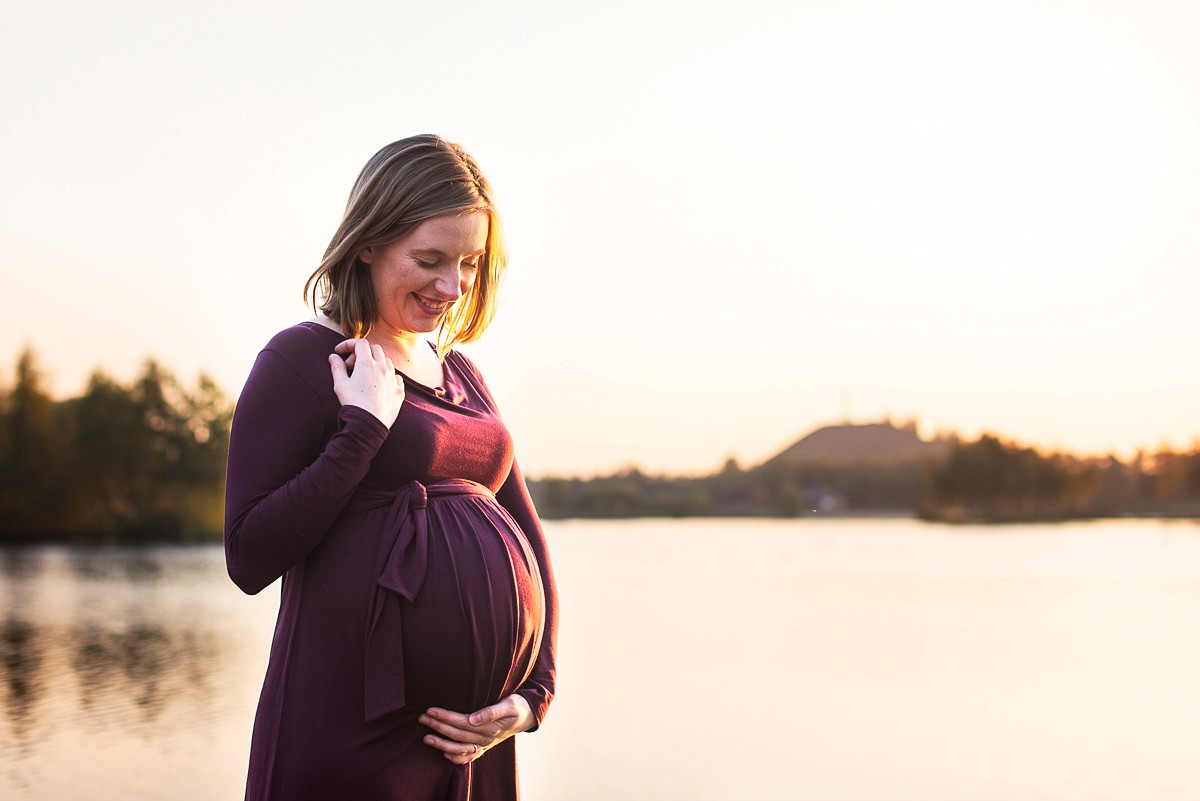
x=861 y=660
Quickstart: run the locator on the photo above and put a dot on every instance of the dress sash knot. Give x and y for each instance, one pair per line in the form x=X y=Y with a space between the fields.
x=401 y=575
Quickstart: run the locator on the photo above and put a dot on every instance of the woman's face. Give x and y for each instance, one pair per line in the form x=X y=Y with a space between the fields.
x=419 y=276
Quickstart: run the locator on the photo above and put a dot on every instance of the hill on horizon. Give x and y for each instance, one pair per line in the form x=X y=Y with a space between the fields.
x=848 y=443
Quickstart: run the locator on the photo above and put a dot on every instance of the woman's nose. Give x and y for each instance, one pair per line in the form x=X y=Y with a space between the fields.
x=450 y=283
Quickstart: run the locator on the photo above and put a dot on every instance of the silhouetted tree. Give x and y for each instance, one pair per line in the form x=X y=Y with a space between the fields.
x=29 y=461
x=137 y=463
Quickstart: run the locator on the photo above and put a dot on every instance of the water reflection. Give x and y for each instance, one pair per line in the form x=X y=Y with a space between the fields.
x=16 y=563
x=22 y=660
x=98 y=639
x=126 y=673
x=115 y=565
x=883 y=660
x=132 y=674
x=21 y=649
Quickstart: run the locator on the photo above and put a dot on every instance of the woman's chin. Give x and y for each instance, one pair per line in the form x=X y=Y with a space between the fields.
x=431 y=326
x=420 y=323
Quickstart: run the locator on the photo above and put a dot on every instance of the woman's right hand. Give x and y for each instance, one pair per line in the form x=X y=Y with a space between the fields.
x=367 y=379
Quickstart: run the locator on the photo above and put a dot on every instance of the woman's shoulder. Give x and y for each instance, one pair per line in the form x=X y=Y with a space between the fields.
x=463 y=365
x=291 y=376
x=469 y=374
x=304 y=348
x=304 y=340
x=460 y=360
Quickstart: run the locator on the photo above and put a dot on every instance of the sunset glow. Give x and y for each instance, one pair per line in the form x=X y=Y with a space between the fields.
x=728 y=224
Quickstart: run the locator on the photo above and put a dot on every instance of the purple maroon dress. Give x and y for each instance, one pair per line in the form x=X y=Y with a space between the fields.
x=415 y=574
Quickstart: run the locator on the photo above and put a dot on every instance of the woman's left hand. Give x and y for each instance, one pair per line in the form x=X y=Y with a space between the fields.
x=464 y=738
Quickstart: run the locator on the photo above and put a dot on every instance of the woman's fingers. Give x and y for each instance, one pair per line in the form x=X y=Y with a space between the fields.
x=505 y=708
x=461 y=738
x=511 y=712
x=355 y=349
x=370 y=354
x=362 y=351
x=456 y=752
x=367 y=379
x=455 y=733
x=346 y=348
x=338 y=368
x=447 y=716
x=451 y=732
x=456 y=738
x=461 y=735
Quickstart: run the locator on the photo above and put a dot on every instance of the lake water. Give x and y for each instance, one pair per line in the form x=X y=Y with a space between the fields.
x=820 y=659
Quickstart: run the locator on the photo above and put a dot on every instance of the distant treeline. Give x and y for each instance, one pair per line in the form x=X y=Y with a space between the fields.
x=772 y=490
x=145 y=462
x=982 y=480
x=997 y=481
x=120 y=463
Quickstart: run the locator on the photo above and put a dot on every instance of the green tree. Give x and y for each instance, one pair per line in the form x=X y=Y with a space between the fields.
x=121 y=463
x=29 y=477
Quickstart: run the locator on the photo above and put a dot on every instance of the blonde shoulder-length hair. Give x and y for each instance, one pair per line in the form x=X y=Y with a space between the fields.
x=404 y=184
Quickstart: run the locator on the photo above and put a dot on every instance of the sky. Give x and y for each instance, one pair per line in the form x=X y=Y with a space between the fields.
x=729 y=223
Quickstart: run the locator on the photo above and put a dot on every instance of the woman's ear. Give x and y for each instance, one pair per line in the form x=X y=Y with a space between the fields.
x=366 y=255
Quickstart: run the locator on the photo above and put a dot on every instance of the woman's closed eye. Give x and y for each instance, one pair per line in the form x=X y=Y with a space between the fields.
x=430 y=265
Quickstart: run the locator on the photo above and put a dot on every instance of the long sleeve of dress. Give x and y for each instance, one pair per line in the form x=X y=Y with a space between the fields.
x=538 y=689
x=289 y=475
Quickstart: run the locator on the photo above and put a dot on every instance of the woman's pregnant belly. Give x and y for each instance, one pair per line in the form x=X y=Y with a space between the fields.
x=473 y=631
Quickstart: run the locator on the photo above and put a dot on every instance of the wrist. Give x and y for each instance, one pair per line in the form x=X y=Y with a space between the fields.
x=525 y=717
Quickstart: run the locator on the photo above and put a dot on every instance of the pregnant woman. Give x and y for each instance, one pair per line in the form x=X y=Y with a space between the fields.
x=370 y=469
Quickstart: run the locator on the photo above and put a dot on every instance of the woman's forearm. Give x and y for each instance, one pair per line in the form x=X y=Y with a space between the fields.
x=285 y=488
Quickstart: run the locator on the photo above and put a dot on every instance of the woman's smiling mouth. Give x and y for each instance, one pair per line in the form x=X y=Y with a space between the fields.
x=432 y=307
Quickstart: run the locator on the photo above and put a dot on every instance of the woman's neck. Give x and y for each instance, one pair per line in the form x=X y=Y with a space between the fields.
x=401 y=346
x=409 y=351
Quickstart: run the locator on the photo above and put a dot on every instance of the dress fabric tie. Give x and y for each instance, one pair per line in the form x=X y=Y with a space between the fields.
x=401 y=574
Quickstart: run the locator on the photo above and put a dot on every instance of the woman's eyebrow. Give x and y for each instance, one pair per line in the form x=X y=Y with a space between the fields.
x=443 y=254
